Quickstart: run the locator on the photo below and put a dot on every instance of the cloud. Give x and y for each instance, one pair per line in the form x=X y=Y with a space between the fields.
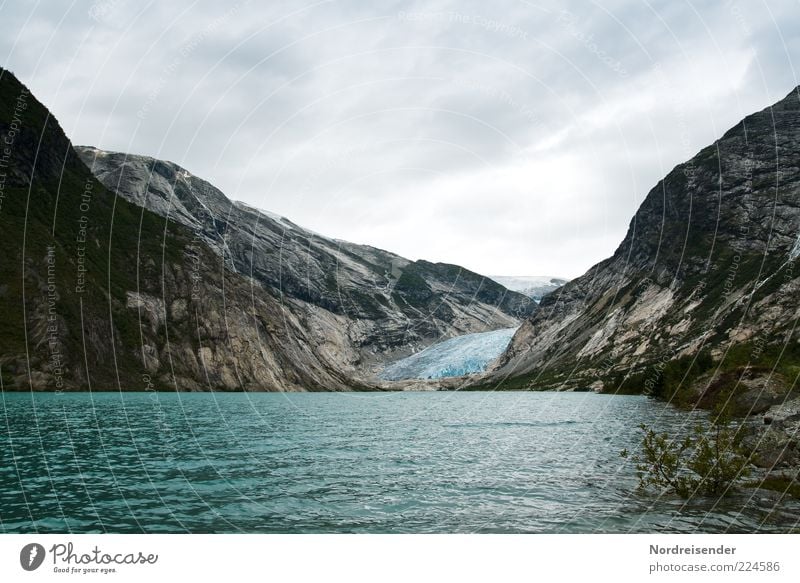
x=514 y=137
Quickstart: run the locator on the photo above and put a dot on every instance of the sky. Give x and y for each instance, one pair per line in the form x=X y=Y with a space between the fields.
x=511 y=137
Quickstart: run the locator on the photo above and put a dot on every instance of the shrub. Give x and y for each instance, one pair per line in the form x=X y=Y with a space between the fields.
x=706 y=463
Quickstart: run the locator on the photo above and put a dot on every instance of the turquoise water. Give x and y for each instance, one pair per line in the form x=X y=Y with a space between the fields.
x=378 y=463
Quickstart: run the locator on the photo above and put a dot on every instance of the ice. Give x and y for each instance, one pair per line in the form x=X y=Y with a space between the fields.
x=463 y=355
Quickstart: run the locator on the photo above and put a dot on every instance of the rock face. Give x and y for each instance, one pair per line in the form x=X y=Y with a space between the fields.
x=709 y=262
x=775 y=436
x=100 y=293
x=382 y=305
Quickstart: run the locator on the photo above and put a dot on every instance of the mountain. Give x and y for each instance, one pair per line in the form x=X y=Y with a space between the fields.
x=99 y=293
x=384 y=306
x=533 y=286
x=700 y=300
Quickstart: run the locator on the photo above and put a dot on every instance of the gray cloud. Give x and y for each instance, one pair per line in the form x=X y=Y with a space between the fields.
x=517 y=137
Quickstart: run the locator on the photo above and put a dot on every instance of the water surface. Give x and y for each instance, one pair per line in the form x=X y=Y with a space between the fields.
x=376 y=463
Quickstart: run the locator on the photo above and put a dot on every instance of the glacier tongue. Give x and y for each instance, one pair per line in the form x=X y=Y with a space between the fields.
x=462 y=355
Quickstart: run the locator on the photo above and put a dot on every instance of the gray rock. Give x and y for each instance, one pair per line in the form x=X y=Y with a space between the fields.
x=281 y=307
x=709 y=261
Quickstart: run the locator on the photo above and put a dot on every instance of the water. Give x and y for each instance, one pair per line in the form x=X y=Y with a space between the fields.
x=463 y=355
x=379 y=463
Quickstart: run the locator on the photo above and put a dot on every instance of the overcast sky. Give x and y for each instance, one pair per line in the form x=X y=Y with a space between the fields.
x=510 y=137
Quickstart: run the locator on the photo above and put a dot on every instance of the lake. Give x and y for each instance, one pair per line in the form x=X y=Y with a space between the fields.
x=496 y=462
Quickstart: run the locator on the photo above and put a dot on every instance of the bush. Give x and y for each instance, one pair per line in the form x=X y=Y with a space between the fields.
x=675 y=382
x=706 y=463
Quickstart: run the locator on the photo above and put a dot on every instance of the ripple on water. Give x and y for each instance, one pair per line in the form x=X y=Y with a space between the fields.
x=400 y=462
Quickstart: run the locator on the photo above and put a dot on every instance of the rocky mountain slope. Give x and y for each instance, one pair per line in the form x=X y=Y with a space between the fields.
x=704 y=284
x=99 y=293
x=387 y=306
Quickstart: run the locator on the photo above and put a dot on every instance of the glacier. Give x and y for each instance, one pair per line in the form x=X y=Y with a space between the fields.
x=459 y=356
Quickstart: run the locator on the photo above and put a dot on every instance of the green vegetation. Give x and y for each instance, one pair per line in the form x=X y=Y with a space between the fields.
x=411 y=288
x=668 y=380
x=706 y=463
x=538 y=380
x=102 y=247
x=367 y=304
x=711 y=461
x=701 y=381
x=782 y=484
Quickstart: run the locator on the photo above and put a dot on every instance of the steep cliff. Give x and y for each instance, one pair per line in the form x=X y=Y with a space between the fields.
x=99 y=293
x=388 y=306
x=707 y=276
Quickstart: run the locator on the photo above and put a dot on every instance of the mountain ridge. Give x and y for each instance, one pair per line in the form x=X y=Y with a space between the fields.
x=398 y=305
x=99 y=293
x=707 y=263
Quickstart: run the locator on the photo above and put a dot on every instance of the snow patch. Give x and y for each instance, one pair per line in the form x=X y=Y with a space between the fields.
x=535 y=287
x=281 y=220
x=274 y=216
x=459 y=356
